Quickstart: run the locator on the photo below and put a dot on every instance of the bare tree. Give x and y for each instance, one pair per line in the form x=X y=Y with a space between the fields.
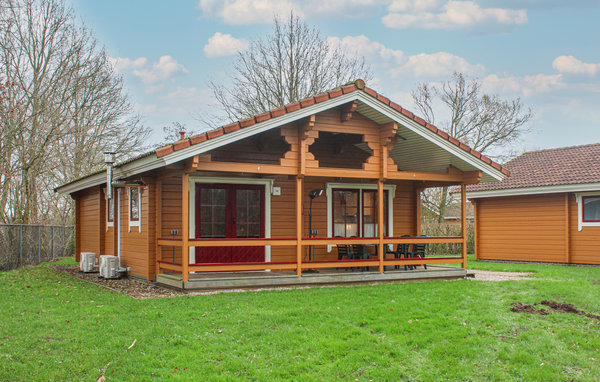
x=67 y=107
x=484 y=122
x=292 y=63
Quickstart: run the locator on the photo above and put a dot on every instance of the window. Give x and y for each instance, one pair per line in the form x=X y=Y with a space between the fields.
x=134 y=207
x=355 y=212
x=591 y=208
x=588 y=209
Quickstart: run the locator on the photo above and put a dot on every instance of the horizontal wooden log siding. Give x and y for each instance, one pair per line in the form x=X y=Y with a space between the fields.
x=525 y=228
x=89 y=224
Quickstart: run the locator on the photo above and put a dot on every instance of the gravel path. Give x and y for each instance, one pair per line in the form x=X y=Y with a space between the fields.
x=481 y=275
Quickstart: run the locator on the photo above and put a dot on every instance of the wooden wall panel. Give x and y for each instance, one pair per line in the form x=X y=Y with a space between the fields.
x=523 y=228
x=134 y=244
x=89 y=215
x=585 y=244
x=170 y=215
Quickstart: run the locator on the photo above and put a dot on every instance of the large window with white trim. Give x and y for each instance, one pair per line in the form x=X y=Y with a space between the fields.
x=353 y=210
x=591 y=209
x=588 y=209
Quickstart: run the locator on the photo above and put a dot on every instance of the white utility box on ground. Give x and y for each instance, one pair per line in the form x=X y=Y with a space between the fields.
x=87 y=262
x=109 y=266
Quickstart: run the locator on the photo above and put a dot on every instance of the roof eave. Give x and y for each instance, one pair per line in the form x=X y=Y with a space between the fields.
x=583 y=187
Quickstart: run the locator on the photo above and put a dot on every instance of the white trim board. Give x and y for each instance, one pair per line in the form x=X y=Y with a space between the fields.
x=535 y=190
x=268 y=183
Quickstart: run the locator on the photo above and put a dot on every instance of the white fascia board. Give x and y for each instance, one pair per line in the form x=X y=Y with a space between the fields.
x=136 y=167
x=535 y=190
x=431 y=136
x=260 y=127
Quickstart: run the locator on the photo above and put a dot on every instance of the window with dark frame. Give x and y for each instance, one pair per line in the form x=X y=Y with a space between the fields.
x=134 y=204
x=591 y=209
x=355 y=213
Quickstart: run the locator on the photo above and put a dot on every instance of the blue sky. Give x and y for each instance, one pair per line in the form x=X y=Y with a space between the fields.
x=545 y=51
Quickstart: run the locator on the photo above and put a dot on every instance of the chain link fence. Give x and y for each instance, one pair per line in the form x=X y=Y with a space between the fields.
x=24 y=244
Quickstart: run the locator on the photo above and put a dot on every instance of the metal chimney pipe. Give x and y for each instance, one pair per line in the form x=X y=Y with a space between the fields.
x=109 y=159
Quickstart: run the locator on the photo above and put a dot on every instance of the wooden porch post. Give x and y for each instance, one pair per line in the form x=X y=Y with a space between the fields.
x=463 y=222
x=418 y=190
x=158 y=228
x=380 y=221
x=299 y=191
x=185 y=227
x=475 y=229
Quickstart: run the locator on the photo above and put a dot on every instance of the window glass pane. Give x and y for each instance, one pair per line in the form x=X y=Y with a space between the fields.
x=212 y=212
x=345 y=213
x=591 y=208
x=135 y=203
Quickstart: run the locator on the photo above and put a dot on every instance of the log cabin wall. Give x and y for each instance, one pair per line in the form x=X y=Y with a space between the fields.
x=521 y=228
x=88 y=226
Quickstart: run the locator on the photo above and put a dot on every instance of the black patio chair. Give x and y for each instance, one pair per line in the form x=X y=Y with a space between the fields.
x=400 y=252
x=418 y=252
x=359 y=252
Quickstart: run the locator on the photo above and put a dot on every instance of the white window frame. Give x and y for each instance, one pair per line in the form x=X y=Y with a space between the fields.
x=109 y=224
x=268 y=183
x=138 y=222
x=329 y=187
x=579 y=198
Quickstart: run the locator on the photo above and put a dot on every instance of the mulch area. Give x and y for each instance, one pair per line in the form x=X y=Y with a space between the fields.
x=519 y=307
x=136 y=288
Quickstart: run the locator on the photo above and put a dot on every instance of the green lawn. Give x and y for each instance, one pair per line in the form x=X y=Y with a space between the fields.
x=55 y=327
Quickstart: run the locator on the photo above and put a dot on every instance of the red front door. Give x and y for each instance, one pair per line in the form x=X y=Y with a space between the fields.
x=230 y=211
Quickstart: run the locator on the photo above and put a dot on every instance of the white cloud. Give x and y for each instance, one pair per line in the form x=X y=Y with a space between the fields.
x=123 y=64
x=221 y=45
x=397 y=64
x=246 y=12
x=363 y=46
x=160 y=71
x=431 y=14
x=525 y=85
x=439 y=64
x=571 y=65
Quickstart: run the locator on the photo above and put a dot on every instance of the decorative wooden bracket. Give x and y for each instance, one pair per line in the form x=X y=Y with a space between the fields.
x=307 y=126
x=348 y=110
x=192 y=166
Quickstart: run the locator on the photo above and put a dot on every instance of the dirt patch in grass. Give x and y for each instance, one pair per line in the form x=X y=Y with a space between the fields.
x=482 y=275
x=136 y=288
x=519 y=307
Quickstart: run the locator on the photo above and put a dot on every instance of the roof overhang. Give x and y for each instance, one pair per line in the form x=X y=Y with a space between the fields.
x=534 y=190
x=152 y=162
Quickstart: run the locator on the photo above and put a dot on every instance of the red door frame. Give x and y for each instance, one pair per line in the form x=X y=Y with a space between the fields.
x=229 y=254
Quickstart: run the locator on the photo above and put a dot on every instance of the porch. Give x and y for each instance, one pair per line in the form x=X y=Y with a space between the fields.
x=256 y=279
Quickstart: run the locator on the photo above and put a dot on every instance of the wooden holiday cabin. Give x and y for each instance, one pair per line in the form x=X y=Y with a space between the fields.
x=238 y=198
x=547 y=210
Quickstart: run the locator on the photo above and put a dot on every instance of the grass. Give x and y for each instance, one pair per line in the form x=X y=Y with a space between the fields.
x=55 y=327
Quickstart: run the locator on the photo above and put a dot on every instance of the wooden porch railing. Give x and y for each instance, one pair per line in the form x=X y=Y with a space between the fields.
x=304 y=242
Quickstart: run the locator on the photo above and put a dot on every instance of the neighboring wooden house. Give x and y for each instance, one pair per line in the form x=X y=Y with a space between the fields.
x=547 y=210
x=237 y=198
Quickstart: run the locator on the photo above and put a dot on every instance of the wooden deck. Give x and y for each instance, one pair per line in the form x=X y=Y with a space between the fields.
x=252 y=279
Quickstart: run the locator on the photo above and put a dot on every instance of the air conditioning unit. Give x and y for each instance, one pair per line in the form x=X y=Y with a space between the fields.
x=87 y=262
x=109 y=267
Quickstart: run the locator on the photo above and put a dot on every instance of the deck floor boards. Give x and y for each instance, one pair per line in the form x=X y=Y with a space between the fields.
x=250 y=279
